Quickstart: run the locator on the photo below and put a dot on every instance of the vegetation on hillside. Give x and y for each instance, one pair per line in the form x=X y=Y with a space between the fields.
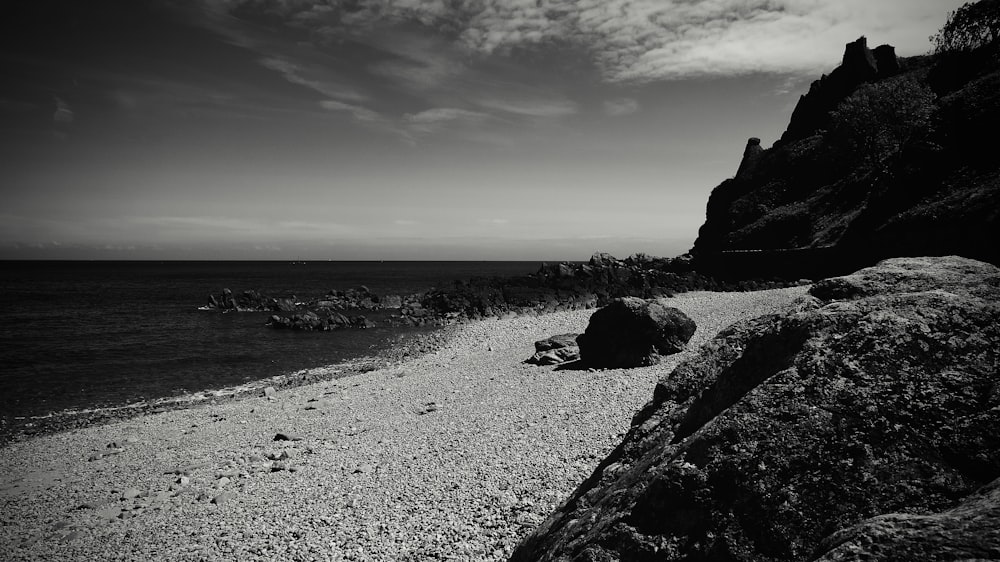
x=973 y=26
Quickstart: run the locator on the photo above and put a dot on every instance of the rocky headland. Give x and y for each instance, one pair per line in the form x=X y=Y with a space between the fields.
x=883 y=157
x=556 y=287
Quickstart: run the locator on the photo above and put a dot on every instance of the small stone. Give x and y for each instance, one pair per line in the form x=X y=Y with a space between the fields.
x=363 y=468
x=183 y=481
x=269 y=392
x=95 y=457
x=130 y=493
x=287 y=437
x=222 y=498
x=222 y=481
x=112 y=512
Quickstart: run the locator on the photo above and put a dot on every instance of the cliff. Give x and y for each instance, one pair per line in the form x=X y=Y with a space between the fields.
x=883 y=157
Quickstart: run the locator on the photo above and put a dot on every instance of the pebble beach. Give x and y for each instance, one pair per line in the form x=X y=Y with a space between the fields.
x=453 y=455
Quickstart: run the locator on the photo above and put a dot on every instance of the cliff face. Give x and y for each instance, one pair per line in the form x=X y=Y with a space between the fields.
x=881 y=158
x=859 y=424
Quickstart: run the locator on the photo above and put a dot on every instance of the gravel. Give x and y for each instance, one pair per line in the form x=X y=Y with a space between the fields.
x=454 y=455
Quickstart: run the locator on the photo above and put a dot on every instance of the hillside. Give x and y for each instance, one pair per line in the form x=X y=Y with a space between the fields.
x=882 y=157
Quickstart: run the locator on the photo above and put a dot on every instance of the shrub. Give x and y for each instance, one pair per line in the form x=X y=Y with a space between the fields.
x=974 y=25
x=879 y=119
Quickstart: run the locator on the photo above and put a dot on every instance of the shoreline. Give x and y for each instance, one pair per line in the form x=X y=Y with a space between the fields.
x=459 y=452
x=394 y=349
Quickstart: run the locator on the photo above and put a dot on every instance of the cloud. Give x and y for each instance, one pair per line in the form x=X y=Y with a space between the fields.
x=635 y=40
x=63 y=116
x=359 y=113
x=302 y=75
x=434 y=120
x=534 y=106
x=420 y=62
x=621 y=106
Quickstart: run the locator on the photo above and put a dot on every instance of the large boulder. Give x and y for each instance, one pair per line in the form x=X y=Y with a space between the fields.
x=785 y=429
x=633 y=332
x=970 y=531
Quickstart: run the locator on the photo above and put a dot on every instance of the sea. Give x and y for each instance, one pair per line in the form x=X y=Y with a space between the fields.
x=90 y=335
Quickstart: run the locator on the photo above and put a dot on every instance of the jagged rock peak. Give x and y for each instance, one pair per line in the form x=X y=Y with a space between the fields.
x=858 y=58
x=751 y=154
x=859 y=65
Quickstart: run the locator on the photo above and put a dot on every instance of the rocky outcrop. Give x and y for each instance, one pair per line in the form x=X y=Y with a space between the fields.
x=632 y=332
x=789 y=435
x=249 y=301
x=898 y=169
x=859 y=65
x=555 y=350
x=311 y=321
x=969 y=531
x=360 y=298
x=568 y=286
x=751 y=155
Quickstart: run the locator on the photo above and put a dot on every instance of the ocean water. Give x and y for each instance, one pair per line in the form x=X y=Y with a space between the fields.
x=83 y=335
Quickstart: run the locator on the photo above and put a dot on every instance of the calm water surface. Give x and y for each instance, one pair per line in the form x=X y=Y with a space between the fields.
x=77 y=335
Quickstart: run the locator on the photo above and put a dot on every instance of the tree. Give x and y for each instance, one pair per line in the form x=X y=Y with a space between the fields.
x=879 y=119
x=974 y=25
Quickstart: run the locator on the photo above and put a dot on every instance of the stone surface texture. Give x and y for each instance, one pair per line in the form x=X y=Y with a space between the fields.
x=863 y=418
x=634 y=332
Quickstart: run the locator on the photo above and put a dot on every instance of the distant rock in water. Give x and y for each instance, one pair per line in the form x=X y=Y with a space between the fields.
x=311 y=321
x=863 y=419
x=249 y=301
x=632 y=332
x=360 y=298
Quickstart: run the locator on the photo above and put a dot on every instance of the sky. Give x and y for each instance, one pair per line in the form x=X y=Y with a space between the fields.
x=398 y=129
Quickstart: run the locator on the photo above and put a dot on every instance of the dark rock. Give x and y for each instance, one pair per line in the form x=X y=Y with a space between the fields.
x=555 y=356
x=555 y=342
x=788 y=428
x=828 y=198
x=632 y=332
x=287 y=437
x=886 y=61
x=969 y=531
x=812 y=112
x=751 y=155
